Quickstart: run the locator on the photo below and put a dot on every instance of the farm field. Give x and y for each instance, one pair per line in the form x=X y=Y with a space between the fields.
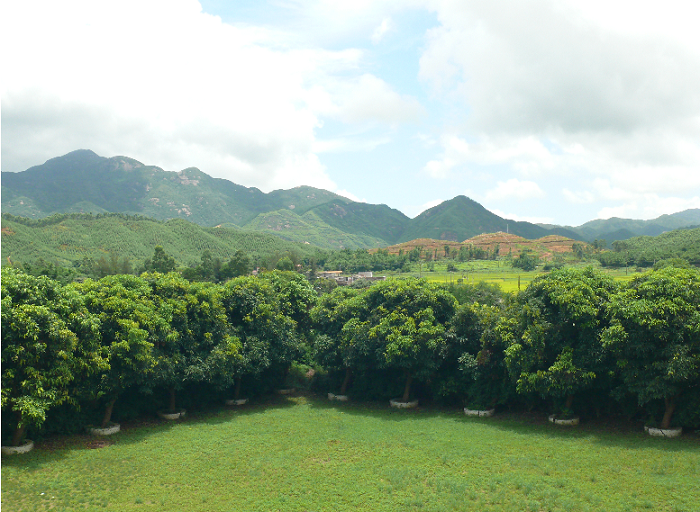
x=306 y=454
x=499 y=273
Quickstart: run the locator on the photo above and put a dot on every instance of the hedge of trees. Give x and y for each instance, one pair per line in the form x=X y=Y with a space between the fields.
x=574 y=342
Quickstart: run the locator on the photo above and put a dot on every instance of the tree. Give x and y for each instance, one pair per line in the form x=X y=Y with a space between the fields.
x=285 y=264
x=556 y=350
x=238 y=265
x=266 y=335
x=526 y=261
x=160 y=262
x=295 y=294
x=130 y=325
x=655 y=334
x=473 y=364
x=49 y=342
x=404 y=320
x=336 y=347
x=192 y=351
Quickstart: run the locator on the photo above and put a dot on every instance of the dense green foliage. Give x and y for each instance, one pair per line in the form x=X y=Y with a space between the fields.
x=655 y=332
x=49 y=343
x=556 y=349
x=573 y=333
x=645 y=251
x=79 y=241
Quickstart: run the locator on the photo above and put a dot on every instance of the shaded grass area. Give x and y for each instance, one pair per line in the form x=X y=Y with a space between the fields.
x=306 y=454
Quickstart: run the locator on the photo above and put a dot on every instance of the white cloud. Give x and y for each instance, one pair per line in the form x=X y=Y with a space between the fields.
x=526 y=155
x=539 y=66
x=162 y=82
x=649 y=206
x=580 y=90
x=514 y=189
x=579 y=196
x=371 y=99
x=383 y=29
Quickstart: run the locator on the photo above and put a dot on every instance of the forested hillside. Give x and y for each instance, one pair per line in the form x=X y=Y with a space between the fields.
x=68 y=239
x=621 y=229
x=644 y=251
x=82 y=181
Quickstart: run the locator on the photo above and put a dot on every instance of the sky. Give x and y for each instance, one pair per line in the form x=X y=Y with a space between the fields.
x=556 y=112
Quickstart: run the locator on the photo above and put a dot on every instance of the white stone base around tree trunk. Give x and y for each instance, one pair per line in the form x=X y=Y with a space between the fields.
x=480 y=413
x=172 y=415
x=27 y=446
x=106 y=431
x=564 y=421
x=664 y=432
x=339 y=398
x=239 y=401
x=395 y=402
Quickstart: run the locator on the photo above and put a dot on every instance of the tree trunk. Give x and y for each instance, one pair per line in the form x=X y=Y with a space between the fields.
x=670 y=408
x=171 y=407
x=108 y=413
x=20 y=431
x=344 y=387
x=568 y=403
x=237 y=392
x=407 y=389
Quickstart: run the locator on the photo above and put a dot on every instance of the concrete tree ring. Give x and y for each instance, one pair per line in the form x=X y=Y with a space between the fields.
x=564 y=421
x=479 y=413
x=239 y=401
x=664 y=432
x=395 y=402
x=172 y=415
x=106 y=431
x=16 y=450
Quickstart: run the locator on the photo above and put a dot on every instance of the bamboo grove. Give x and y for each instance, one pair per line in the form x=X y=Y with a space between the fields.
x=574 y=342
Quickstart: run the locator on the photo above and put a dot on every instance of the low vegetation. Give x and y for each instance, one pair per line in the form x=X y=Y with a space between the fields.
x=305 y=454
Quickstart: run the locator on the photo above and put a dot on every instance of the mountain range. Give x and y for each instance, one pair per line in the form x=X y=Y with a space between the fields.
x=83 y=182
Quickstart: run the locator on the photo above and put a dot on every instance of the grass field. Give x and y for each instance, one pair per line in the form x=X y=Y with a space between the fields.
x=499 y=273
x=304 y=454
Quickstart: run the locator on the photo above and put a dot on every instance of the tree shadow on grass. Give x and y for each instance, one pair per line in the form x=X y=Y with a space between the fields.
x=57 y=447
x=614 y=432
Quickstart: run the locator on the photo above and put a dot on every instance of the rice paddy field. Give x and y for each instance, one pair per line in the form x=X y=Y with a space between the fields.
x=307 y=454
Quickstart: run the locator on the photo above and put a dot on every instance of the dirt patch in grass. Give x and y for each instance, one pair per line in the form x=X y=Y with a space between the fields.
x=99 y=443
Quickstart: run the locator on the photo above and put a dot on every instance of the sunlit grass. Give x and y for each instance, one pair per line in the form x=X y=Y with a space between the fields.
x=305 y=454
x=500 y=273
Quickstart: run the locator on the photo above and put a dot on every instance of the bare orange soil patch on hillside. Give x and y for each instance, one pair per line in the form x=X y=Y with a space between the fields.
x=545 y=247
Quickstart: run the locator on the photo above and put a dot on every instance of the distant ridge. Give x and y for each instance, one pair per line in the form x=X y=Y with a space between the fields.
x=84 y=182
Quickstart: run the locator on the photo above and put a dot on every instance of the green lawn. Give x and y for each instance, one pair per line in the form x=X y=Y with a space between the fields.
x=305 y=454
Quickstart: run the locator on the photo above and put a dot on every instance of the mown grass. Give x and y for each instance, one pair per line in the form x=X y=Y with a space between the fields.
x=305 y=454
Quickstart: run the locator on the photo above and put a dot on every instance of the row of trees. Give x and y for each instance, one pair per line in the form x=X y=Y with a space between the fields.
x=573 y=341
x=571 y=334
x=93 y=341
